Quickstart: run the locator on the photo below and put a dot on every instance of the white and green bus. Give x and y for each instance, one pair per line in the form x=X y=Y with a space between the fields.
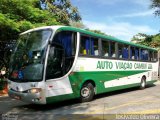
x=56 y=63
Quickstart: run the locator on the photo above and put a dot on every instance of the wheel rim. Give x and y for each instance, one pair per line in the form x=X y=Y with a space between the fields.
x=85 y=92
x=143 y=83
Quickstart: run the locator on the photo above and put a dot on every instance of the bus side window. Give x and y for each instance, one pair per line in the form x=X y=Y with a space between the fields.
x=150 y=55
x=112 y=50
x=141 y=55
x=89 y=46
x=66 y=40
x=132 y=53
x=85 y=45
x=105 y=48
x=155 y=56
x=144 y=54
x=123 y=51
x=125 y=54
x=94 y=47
x=136 y=53
x=120 y=49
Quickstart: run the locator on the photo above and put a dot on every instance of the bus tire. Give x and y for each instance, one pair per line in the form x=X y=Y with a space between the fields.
x=86 y=92
x=143 y=83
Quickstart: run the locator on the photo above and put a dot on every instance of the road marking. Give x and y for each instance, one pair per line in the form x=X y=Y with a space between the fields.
x=152 y=111
x=137 y=102
x=131 y=103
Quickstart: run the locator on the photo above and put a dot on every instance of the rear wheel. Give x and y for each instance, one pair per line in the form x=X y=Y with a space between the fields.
x=87 y=92
x=143 y=83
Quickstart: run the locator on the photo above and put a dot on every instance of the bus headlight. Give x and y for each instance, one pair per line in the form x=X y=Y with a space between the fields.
x=35 y=90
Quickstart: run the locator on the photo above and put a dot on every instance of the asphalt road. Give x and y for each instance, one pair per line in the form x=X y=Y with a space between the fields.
x=103 y=107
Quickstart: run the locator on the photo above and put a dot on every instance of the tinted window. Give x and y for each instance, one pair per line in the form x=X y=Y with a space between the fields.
x=144 y=54
x=85 y=45
x=155 y=56
x=112 y=50
x=105 y=48
x=120 y=49
x=136 y=51
x=55 y=63
x=94 y=46
x=151 y=55
x=89 y=46
x=27 y=61
x=132 y=53
x=123 y=51
x=66 y=39
x=61 y=54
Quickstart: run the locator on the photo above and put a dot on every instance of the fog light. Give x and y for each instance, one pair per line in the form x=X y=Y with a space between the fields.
x=36 y=99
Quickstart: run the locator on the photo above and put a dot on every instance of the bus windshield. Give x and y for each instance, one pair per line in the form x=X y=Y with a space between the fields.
x=27 y=61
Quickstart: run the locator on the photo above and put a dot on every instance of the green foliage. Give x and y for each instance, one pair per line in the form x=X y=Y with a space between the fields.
x=25 y=25
x=98 y=32
x=7 y=26
x=17 y=16
x=156 y=5
x=63 y=9
x=20 y=15
x=77 y=24
x=148 y=40
x=156 y=41
x=152 y=41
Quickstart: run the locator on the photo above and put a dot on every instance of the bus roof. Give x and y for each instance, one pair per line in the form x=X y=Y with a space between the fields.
x=104 y=37
x=57 y=27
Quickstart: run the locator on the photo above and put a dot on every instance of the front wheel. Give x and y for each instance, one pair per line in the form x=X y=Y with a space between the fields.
x=87 y=92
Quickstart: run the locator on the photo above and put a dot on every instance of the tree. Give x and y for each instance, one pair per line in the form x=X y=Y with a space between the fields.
x=98 y=32
x=140 y=37
x=148 y=40
x=77 y=24
x=63 y=9
x=156 y=5
x=155 y=41
x=17 y=16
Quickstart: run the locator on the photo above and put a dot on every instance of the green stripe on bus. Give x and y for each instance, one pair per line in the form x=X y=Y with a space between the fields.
x=99 y=77
x=71 y=96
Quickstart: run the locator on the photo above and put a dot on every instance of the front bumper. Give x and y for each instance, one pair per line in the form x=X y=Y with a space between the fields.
x=35 y=98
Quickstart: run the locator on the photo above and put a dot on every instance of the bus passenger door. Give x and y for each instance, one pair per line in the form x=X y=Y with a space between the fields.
x=56 y=83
